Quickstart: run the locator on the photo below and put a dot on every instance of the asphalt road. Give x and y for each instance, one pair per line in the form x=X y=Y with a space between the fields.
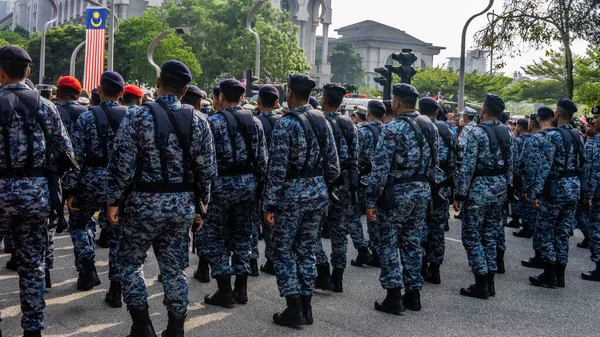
x=519 y=309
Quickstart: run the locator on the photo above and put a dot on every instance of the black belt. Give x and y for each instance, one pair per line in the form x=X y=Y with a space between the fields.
x=489 y=173
x=95 y=162
x=294 y=173
x=23 y=173
x=235 y=171
x=411 y=179
x=567 y=174
x=163 y=187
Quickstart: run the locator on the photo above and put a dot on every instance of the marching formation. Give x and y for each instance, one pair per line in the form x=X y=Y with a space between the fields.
x=291 y=173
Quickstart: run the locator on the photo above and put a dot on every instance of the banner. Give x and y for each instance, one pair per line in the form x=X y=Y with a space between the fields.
x=95 y=42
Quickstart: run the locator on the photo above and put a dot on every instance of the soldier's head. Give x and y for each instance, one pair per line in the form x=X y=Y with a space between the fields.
x=493 y=107
x=132 y=95
x=95 y=97
x=268 y=98
x=174 y=79
x=68 y=88
x=14 y=65
x=389 y=112
x=545 y=116
x=111 y=86
x=232 y=92
x=429 y=107
x=596 y=115
x=193 y=96
x=534 y=124
x=405 y=98
x=565 y=109
x=522 y=126
x=299 y=88
x=216 y=103
x=332 y=98
x=375 y=111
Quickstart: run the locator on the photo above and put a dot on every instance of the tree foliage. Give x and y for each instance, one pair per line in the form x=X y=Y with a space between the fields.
x=346 y=64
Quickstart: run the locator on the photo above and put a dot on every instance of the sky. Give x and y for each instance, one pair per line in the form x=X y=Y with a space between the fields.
x=439 y=22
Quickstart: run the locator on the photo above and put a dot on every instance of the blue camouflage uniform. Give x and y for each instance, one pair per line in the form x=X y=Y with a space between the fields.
x=228 y=220
x=582 y=215
x=556 y=218
x=519 y=206
x=161 y=220
x=24 y=204
x=593 y=174
x=299 y=204
x=401 y=228
x=484 y=198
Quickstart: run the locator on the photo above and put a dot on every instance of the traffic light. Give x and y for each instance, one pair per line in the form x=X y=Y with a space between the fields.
x=251 y=88
x=406 y=60
x=385 y=80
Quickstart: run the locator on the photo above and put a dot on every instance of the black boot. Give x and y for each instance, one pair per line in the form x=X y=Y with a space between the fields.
x=31 y=333
x=325 y=231
x=102 y=241
x=268 y=267
x=240 y=291
x=585 y=243
x=525 y=232
x=113 y=296
x=253 y=267
x=500 y=262
x=478 y=290
x=534 y=262
x=491 y=285
x=412 y=300
x=62 y=225
x=323 y=277
x=48 y=279
x=307 y=309
x=292 y=315
x=88 y=278
x=175 y=326
x=364 y=257
x=12 y=263
x=434 y=270
x=142 y=325
x=593 y=275
x=375 y=261
x=223 y=297
x=392 y=303
x=425 y=268
x=203 y=272
x=446 y=226
x=337 y=276
x=514 y=222
x=547 y=278
x=560 y=275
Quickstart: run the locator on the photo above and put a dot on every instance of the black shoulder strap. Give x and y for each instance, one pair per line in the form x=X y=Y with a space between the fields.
x=571 y=137
x=102 y=128
x=31 y=100
x=337 y=132
x=349 y=133
x=244 y=123
x=313 y=125
x=268 y=124
x=183 y=121
x=232 y=131
x=114 y=115
x=418 y=133
x=499 y=137
x=446 y=135
x=375 y=131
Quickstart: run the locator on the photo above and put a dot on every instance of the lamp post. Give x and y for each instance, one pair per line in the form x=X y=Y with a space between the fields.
x=157 y=39
x=492 y=15
x=461 y=83
x=43 y=44
x=74 y=57
x=251 y=15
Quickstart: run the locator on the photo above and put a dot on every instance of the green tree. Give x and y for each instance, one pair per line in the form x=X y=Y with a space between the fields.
x=15 y=38
x=541 y=22
x=588 y=77
x=436 y=80
x=552 y=67
x=4 y=43
x=346 y=64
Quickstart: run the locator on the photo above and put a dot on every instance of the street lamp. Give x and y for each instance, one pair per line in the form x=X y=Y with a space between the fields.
x=43 y=46
x=74 y=57
x=461 y=83
x=251 y=15
x=492 y=15
x=179 y=31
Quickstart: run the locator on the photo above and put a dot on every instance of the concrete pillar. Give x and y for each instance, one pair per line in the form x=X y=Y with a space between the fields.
x=325 y=51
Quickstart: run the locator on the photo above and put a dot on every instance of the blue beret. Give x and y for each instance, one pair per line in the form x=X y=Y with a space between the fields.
x=428 y=105
x=302 y=81
x=94 y=94
x=405 y=90
x=314 y=102
x=334 y=89
x=112 y=79
x=545 y=112
x=176 y=70
x=567 y=104
x=494 y=101
x=216 y=91
x=377 y=107
x=523 y=123
x=232 y=85
x=268 y=89
x=15 y=54
x=194 y=90
x=469 y=112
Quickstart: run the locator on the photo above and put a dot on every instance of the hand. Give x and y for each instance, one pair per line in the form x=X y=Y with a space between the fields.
x=198 y=222
x=371 y=215
x=112 y=215
x=456 y=205
x=71 y=201
x=535 y=203
x=524 y=197
x=587 y=202
x=269 y=219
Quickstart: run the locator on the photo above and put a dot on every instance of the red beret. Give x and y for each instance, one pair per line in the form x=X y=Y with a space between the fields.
x=133 y=90
x=69 y=82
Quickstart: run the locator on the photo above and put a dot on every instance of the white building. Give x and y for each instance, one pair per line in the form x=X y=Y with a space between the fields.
x=474 y=61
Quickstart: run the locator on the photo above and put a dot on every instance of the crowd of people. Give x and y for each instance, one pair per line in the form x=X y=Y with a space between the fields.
x=158 y=170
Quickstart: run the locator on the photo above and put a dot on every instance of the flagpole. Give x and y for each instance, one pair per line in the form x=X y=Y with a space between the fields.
x=111 y=37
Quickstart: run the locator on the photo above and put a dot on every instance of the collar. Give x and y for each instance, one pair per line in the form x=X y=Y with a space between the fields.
x=67 y=102
x=376 y=123
x=16 y=86
x=303 y=108
x=168 y=99
x=109 y=102
x=268 y=113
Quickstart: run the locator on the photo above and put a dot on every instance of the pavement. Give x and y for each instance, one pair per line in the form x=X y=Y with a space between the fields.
x=518 y=309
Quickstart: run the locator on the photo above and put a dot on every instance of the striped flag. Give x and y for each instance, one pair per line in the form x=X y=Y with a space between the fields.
x=94 y=46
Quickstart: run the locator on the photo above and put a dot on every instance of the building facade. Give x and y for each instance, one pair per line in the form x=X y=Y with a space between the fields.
x=475 y=60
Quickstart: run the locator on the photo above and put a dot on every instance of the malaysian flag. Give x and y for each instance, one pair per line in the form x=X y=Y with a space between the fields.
x=95 y=23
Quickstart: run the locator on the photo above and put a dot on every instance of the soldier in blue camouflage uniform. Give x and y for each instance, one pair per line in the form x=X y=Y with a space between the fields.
x=242 y=160
x=583 y=213
x=152 y=218
x=593 y=200
x=483 y=180
x=86 y=190
x=519 y=206
x=296 y=199
x=540 y=124
x=24 y=190
x=399 y=186
x=132 y=97
x=555 y=192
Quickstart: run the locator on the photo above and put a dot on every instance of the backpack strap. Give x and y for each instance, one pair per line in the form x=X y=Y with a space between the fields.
x=348 y=132
x=375 y=131
x=337 y=131
x=499 y=138
x=418 y=133
x=268 y=123
x=241 y=121
x=31 y=100
x=232 y=131
x=571 y=138
x=102 y=129
x=313 y=124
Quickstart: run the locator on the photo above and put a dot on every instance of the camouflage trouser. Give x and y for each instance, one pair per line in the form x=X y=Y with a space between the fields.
x=583 y=218
x=113 y=233
x=83 y=229
x=435 y=244
x=555 y=222
x=480 y=226
x=9 y=241
x=49 y=258
x=294 y=234
x=170 y=239
x=256 y=224
x=337 y=218
x=355 y=227
x=535 y=232
x=594 y=231
x=501 y=237
x=267 y=234
x=402 y=229
x=30 y=233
